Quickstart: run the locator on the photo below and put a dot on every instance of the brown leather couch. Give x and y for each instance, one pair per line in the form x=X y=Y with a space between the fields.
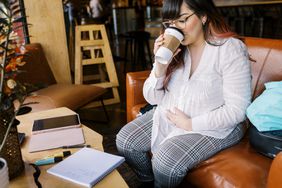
x=50 y=94
x=239 y=166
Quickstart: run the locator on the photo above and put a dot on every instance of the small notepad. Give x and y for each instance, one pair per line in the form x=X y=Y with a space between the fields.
x=86 y=167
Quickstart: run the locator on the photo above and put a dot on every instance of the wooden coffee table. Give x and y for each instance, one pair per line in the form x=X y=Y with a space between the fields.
x=25 y=180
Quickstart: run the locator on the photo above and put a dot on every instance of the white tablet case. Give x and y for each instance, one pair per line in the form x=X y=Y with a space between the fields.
x=56 y=139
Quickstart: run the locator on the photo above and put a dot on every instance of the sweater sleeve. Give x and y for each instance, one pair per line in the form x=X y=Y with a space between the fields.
x=235 y=70
x=152 y=89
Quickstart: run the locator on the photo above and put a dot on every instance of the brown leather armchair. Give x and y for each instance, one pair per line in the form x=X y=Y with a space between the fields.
x=239 y=166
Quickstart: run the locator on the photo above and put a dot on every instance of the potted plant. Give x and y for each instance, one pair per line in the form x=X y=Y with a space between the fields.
x=11 y=56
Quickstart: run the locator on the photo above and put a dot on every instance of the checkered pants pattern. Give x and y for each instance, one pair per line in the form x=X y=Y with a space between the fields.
x=174 y=158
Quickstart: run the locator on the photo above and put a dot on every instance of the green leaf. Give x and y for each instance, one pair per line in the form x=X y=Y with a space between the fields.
x=3 y=8
x=4 y=21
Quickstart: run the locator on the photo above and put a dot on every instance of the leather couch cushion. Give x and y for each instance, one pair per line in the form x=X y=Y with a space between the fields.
x=275 y=179
x=64 y=95
x=136 y=109
x=134 y=85
x=239 y=166
x=267 y=54
x=39 y=103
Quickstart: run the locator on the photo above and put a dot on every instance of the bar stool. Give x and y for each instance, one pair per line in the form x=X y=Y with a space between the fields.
x=137 y=42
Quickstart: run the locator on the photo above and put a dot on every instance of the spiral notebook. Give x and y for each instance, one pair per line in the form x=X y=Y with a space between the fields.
x=86 y=167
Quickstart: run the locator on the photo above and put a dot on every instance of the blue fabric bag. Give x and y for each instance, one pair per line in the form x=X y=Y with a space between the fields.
x=265 y=112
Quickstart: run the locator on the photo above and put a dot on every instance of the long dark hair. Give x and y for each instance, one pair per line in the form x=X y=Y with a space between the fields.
x=214 y=28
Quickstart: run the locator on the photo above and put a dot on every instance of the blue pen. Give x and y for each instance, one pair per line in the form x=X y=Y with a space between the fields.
x=47 y=161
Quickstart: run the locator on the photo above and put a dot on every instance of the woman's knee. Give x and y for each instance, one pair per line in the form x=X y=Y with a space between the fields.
x=167 y=174
x=122 y=140
x=166 y=165
x=132 y=137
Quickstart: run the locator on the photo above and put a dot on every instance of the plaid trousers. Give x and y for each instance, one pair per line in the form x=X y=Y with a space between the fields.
x=174 y=158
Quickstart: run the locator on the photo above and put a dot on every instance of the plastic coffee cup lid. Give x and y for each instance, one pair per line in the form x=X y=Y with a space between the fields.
x=175 y=32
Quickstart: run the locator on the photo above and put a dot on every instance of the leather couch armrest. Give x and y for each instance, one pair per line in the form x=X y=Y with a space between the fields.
x=274 y=177
x=134 y=91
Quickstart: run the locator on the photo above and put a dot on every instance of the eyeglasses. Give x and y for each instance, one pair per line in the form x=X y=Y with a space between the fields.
x=179 y=23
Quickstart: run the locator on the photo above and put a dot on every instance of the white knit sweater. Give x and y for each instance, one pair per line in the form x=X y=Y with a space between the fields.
x=215 y=97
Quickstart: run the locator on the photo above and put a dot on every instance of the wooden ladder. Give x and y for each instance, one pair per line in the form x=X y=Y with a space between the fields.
x=92 y=49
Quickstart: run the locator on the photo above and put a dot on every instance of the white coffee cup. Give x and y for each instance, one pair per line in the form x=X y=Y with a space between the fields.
x=173 y=38
x=4 y=174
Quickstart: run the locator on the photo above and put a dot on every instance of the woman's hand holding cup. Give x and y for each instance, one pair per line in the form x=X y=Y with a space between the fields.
x=160 y=68
x=166 y=46
x=158 y=43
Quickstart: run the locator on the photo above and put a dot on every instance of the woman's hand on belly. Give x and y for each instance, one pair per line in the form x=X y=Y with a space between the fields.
x=179 y=119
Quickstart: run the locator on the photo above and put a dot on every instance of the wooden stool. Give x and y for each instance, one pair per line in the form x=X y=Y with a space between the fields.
x=92 y=48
